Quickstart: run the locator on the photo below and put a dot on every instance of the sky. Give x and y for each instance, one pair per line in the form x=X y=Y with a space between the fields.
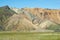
x=52 y=4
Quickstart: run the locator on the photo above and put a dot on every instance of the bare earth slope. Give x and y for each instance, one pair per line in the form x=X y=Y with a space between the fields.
x=31 y=19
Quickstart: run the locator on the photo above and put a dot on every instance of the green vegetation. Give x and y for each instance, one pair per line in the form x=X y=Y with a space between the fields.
x=29 y=36
x=56 y=28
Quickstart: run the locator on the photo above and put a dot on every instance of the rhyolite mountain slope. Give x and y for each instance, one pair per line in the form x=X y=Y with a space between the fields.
x=30 y=19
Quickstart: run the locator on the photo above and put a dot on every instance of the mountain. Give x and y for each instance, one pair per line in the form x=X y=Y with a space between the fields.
x=41 y=18
x=29 y=19
x=5 y=13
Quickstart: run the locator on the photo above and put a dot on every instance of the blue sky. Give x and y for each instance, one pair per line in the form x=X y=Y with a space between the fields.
x=53 y=4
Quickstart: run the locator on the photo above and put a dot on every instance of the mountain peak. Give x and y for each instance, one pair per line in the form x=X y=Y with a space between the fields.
x=5 y=7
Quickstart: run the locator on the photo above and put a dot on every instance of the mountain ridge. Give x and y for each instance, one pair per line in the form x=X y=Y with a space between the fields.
x=30 y=19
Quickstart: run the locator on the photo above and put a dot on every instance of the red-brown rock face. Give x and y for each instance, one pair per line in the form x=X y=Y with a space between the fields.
x=50 y=14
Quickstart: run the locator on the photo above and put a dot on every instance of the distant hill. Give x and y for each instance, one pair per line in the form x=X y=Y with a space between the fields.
x=29 y=19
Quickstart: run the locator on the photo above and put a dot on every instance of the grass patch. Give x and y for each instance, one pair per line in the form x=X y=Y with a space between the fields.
x=29 y=36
